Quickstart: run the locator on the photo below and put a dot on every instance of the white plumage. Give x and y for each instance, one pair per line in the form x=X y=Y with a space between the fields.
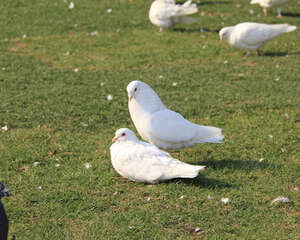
x=265 y=4
x=252 y=36
x=143 y=162
x=166 y=13
x=161 y=126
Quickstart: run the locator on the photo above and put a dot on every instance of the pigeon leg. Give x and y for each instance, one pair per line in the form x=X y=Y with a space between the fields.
x=279 y=13
x=265 y=11
x=258 y=52
x=247 y=54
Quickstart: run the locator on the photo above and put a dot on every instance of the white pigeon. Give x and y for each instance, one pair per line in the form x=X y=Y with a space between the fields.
x=270 y=3
x=143 y=162
x=166 y=13
x=161 y=126
x=252 y=36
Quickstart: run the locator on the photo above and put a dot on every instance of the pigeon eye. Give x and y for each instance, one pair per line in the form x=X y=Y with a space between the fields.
x=135 y=89
x=123 y=134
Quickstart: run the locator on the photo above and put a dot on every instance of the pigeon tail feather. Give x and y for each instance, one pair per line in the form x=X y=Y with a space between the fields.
x=187 y=171
x=209 y=134
x=255 y=2
x=186 y=20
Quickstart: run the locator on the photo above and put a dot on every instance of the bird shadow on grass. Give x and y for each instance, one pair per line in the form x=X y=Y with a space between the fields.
x=188 y=30
x=280 y=54
x=291 y=14
x=201 y=181
x=243 y=164
x=213 y=2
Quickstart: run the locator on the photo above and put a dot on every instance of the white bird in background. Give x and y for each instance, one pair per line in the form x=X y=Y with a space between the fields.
x=270 y=3
x=143 y=162
x=252 y=36
x=161 y=126
x=166 y=13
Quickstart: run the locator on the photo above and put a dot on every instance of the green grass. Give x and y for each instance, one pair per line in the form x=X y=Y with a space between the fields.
x=44 y=103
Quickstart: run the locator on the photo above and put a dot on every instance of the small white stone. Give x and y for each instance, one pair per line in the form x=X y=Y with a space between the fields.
x=280 y=199
x=4 y=128
x=238 y=5
x=270 y=136
x=88 y=165
x=286 y=115
x=109 y=97
x=182 y=197
x=83 y=124
x=109 y=10
x=3 y=68
x=174 y=84
x=76 y=70
x=261 y=159
x=57 y=165
x=277 y=66
x=225 y=62
x=251 y=11
x=161 y=76
x=94 y=33
x=67 y=53
x=39 y=188
x=101 y=84
x=209 y=197
x=277 y=79
x=197 y=230
x=225 y=200
x=148 y=199
x=35 y=164
x=24 y=36
x=71 y=5
x=204 y=46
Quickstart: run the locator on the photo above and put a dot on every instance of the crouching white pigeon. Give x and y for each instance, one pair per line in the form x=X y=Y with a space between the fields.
x=270 y=3
x=252 y=36
x=143 y=162
x=161 y=126
x=166 y=13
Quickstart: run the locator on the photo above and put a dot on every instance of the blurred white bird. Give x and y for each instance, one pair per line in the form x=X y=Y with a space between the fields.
x=161 y=126
x=252 y=36
x=270 y=3
x=166 y=13
x=143 y=162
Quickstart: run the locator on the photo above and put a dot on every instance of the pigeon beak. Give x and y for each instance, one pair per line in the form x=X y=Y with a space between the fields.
x=114 y=139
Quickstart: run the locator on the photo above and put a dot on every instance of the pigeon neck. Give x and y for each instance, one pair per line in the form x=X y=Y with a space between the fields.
x=150 y=102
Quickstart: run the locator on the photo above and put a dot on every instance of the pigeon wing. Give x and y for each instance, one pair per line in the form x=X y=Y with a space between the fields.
x=170 y=126
x=255 y=34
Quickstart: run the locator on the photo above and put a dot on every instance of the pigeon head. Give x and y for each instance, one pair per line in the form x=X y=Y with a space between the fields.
x=144 y=95
x=124 y=134
x=134 y=88
x=225 y=33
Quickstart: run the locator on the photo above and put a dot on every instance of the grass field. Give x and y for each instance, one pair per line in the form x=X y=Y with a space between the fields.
x=55 y=77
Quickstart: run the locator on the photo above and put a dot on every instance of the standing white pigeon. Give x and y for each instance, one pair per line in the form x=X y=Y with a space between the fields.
x=143 y=162
x=270 y=3
x=252 y=36
x=161 y=126
x=166 y=13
